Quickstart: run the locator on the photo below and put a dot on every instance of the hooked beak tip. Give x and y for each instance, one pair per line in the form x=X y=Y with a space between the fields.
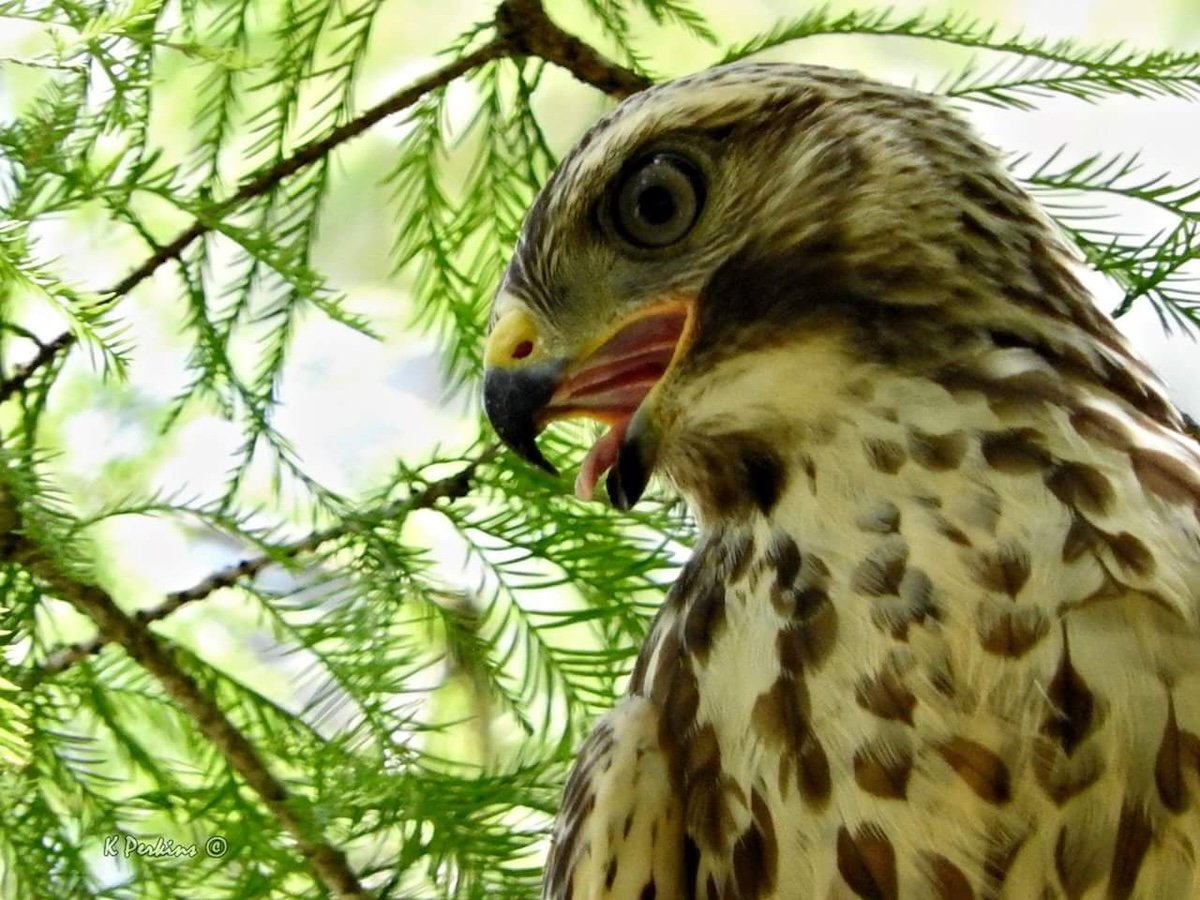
x=512 y=400
x=636 y=459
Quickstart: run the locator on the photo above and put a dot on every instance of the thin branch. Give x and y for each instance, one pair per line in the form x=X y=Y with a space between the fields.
x=328 y=863
x=259 y=184
x=528 y=31
x=46 y=353
x=452 y=487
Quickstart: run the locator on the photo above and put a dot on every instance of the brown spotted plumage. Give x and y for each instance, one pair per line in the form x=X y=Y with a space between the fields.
x=940 y=637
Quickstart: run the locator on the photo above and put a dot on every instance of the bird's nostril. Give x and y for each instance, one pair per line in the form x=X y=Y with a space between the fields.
x=522 y=350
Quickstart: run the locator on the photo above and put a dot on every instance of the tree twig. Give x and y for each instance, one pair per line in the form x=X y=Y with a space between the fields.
x=524 y=25
x=259 y=184
x=452 y=487
x=46 y=353
x=328 y=863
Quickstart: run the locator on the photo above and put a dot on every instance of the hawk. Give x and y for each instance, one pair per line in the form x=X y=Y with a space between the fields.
x=940 y=637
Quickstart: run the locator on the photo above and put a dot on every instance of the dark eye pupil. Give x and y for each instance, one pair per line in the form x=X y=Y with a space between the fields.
x=656 y=205
x=657 y=201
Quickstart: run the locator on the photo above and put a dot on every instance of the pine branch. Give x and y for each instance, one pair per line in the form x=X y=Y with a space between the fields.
x=1118 y=175
x=328 y=863
x=452 y=487
x=260 y=184
x=960 y=30
x=522 y=28
x=1030 y=80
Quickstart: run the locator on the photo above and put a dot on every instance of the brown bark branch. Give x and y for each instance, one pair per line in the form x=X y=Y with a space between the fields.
x=452 y=487
x=328 y=863
x=46 y=353
x=524 y=25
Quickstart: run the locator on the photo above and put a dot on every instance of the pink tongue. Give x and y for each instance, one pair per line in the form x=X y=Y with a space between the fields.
x=599 y=460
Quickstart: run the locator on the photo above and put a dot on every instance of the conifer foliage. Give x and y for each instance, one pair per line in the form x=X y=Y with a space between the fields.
x=429 y=649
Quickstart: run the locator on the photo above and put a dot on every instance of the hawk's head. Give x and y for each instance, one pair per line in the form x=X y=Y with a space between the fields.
x=725 y=259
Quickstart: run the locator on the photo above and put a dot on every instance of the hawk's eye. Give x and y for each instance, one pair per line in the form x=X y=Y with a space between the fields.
x=658 y=201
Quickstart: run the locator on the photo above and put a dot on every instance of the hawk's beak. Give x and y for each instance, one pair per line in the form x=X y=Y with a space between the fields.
x=524 y=389
x=518 y=385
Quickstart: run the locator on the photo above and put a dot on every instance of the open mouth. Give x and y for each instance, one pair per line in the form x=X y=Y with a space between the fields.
x=610 y=384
